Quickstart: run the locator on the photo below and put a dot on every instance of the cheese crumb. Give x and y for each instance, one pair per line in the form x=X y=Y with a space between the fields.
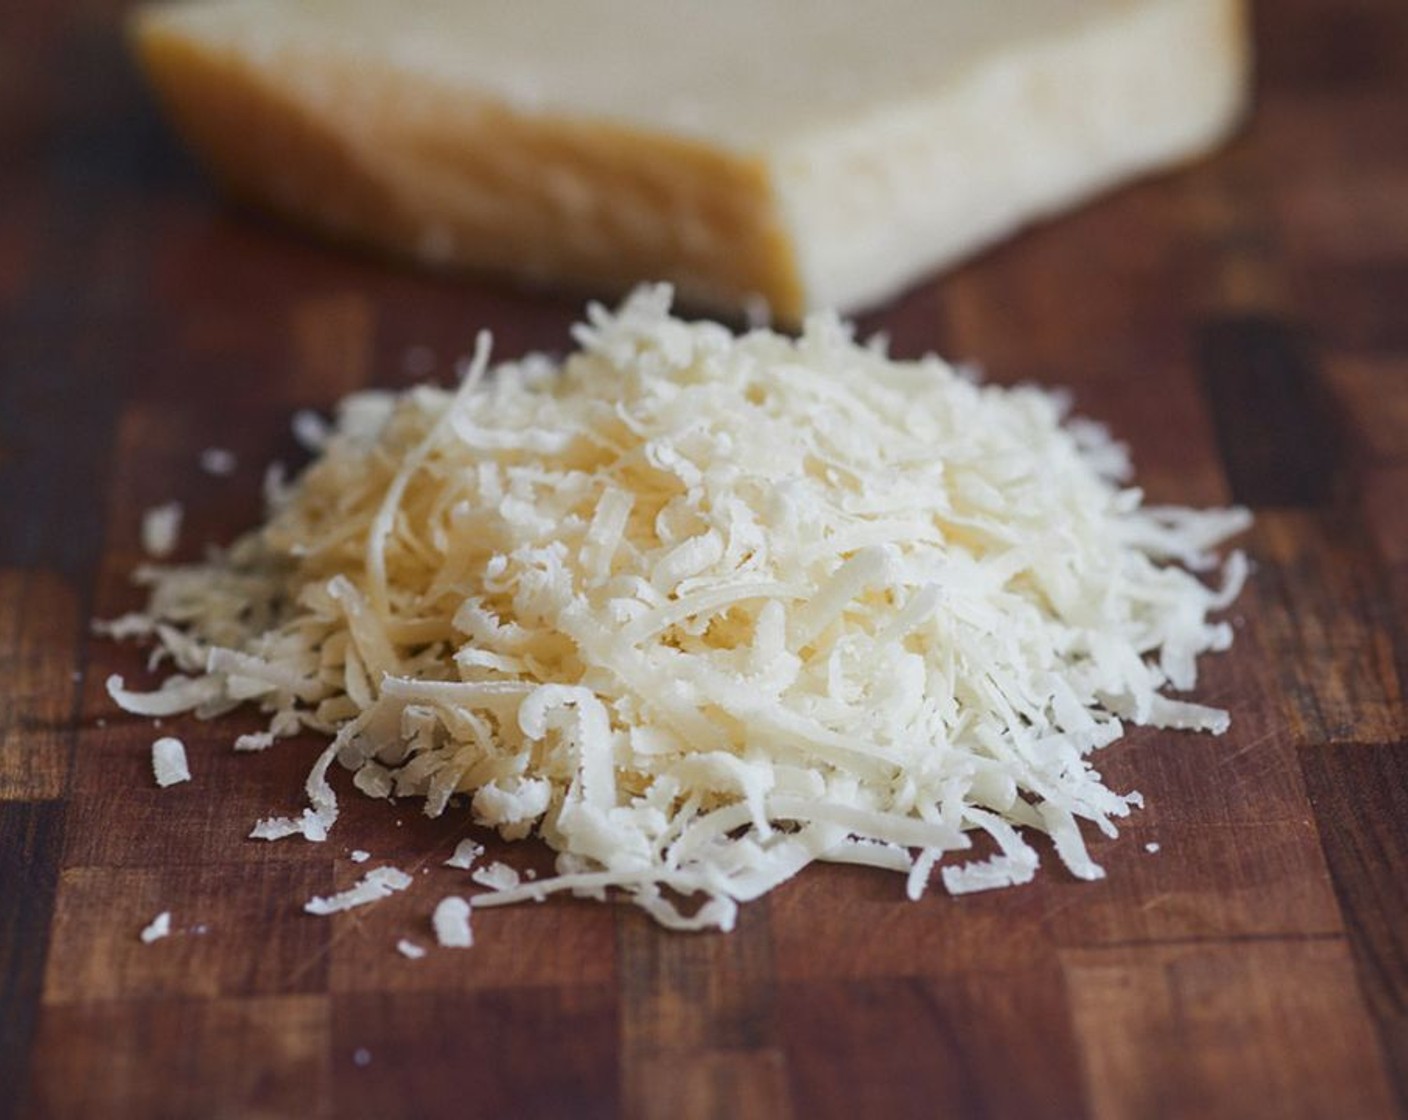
x=254 y=741
x=169 y=761
x=466 y=852
x=161 y=529
x=359 y=856
x=375 y=885
x=1151 y=847
x=159 y=927
x=310 y=429
x=451 y=921
x=701 y=610
x=409 y=949
x=496 y=876
x=218 y=461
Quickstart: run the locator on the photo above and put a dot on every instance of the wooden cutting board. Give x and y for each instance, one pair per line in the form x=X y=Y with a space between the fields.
x=1240 y=323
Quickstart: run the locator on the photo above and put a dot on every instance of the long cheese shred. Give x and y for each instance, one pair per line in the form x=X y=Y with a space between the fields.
x=700 y=610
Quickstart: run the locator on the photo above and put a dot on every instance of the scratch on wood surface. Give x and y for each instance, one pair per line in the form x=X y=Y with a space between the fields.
x=348 y=923
x=1231 y=757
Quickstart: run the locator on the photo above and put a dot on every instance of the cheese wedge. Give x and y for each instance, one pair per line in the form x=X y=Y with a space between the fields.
x=809 y=153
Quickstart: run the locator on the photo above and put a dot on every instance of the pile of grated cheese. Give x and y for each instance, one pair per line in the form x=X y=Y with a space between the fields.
x=700 y=610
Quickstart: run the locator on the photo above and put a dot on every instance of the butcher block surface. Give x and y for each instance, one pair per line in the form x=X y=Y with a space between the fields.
x=1241 y=323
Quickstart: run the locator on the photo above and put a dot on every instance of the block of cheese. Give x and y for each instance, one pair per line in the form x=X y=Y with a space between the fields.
x=809 y=153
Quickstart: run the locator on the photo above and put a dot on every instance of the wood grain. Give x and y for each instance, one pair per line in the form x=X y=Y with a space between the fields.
x=1360 y=793
x=1174 y=1031
x=262 y=1056
x=30 y=837
x=39 y=657
x=1238 y=322
x=1276 y=448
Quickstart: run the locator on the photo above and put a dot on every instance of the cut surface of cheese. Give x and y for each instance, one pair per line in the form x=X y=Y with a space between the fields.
x=808 y=153
x=699 y=610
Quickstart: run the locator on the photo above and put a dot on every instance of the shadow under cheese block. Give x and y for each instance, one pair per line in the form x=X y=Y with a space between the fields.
x=808 y=153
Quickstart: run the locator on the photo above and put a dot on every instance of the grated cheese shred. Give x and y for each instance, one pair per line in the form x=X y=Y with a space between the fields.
x=169 y=761
x=700 y=610
x=379 y=883
x=161 y=529
x=451 y=922
x=158 y=928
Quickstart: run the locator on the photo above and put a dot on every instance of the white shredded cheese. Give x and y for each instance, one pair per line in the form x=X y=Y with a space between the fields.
x=700 y=610
x=159 y=927
x=359 y=856
x=169 y=761
x=466 y=852
x=451 y=922
x=161 y=529
x=310 y=429
x=409 y=949
x=376 y=884
x=496 y=876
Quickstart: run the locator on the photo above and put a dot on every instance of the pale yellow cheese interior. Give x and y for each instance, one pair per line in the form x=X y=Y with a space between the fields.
x=807 y=152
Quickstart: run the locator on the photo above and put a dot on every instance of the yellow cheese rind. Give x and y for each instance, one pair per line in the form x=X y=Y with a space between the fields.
x=469 y=183
x=787 y=151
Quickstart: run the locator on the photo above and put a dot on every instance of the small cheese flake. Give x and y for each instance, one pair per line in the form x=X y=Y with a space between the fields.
x=496 y=876
x=466 y=852
x=409 y=949
x=1152 y=847
x=159 y=927
x=375 y=885
x=169 y=761
x=359 y=856
x=451 y=921
x=161 y=529
x=310 y=429
x=700 y=610
x=218 y=461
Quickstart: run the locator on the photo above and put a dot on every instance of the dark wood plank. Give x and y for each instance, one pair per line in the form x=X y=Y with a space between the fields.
x=705 y=1084
x=70 y=344
x=30 y=841
x=524 y=947
x=1327 y=620
x=537 y=1053
x=1360 y=796
x=975 y=1044
x=1204 y=882
x=836 y=924
x=267 y=1056
x=1373 y=392
x=236 y=930
x=698 y=1028
x=40 y=663
x=1305 y=45
x=125 y=820
x=1278 y=445
x=1225 y=1031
